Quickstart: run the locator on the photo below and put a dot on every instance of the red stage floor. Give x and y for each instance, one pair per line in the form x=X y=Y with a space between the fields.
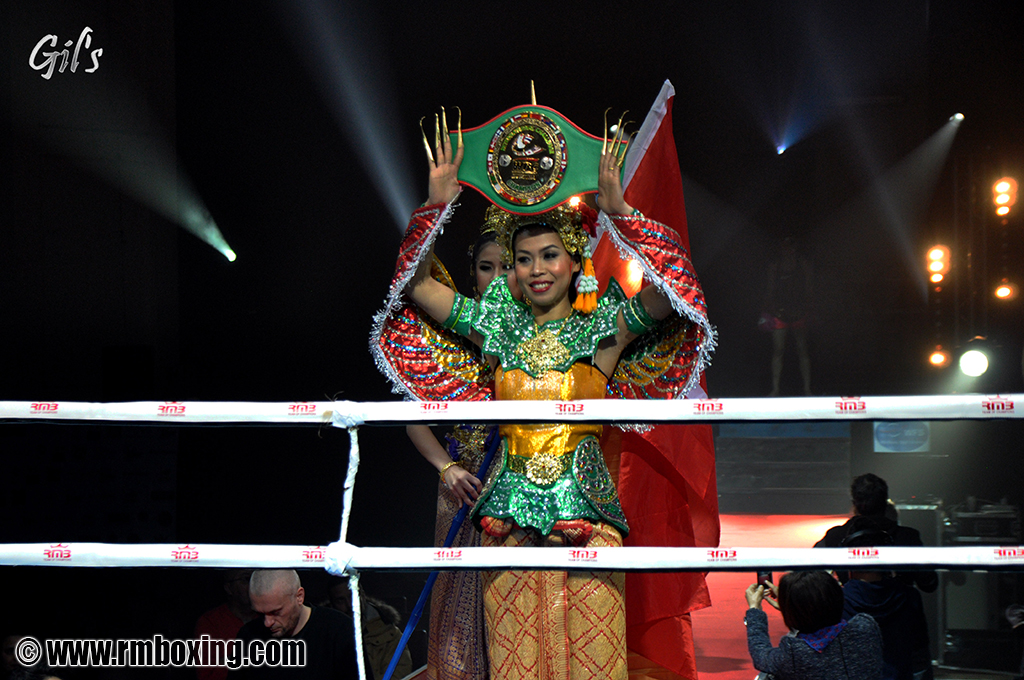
x=721 y=639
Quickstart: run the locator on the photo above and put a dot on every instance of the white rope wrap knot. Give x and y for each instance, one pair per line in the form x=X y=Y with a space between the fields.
x=347 y=414
x=338 y=558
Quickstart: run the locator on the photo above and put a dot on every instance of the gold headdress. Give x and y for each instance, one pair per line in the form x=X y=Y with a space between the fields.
x=570 y=223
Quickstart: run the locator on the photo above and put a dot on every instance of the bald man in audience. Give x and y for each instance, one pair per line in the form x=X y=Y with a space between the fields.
x=279 y=600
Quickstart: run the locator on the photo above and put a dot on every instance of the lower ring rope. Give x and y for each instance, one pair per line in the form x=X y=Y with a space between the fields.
x=343 y=559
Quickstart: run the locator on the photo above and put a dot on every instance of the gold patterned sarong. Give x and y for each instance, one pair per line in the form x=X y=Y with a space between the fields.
x=550 y=625
x=456 y=648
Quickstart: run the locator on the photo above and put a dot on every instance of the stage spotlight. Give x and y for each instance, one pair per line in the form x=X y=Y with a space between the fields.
x=1005 y=290
x=975 y=359
x=956 y=117
x=937 y=263
x=1004 y=195
x=780 y=149
x=939 y=358
x=973 y=363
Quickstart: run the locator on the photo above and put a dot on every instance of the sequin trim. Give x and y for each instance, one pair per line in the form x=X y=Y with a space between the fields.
x=507 y=324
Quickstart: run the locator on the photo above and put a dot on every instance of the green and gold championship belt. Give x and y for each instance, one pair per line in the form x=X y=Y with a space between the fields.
x=530 y=159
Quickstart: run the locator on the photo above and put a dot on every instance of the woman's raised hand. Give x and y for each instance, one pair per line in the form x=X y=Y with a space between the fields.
x=444 y=163
x=609 y=172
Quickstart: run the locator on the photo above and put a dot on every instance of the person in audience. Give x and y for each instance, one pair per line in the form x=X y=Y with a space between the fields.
x=824 y=646
x=871 y=506
x=897 y=609
x=224 y=622
x=279 y=600
x=380 y=627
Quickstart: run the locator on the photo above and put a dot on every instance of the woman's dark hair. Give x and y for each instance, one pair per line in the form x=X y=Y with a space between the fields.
x=474 y=252
x=870 y=494
x=810 y=600
x=474 y=255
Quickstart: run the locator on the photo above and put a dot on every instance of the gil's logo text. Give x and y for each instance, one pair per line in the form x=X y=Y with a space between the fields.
x=47 y=61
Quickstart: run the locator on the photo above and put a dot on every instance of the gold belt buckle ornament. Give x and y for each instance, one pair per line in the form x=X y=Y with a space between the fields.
x=544 y=468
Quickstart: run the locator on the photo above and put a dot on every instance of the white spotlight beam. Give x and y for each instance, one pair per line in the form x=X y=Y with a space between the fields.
x=129 y=152
x=355 y=87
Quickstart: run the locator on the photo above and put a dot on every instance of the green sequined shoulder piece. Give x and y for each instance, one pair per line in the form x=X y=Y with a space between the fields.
x=509 y=331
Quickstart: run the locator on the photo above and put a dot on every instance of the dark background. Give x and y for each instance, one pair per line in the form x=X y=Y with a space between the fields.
x=103 y=297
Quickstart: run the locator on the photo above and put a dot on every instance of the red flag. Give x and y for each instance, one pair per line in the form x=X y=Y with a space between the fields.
x=667 y=479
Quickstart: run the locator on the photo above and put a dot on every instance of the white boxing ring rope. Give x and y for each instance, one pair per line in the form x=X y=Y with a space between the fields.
x=352 y=414
x=344 y=559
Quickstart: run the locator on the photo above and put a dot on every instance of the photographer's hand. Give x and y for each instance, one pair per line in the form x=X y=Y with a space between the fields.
x=754 y=594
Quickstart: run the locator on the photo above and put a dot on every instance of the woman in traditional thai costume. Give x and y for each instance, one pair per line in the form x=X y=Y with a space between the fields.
x=456 y=645
x=551 y=484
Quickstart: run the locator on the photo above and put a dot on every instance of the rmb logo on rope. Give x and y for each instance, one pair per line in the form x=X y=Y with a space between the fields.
x=447 y=555
x=997 y=404
x=64 y=55
x=577 y=555
x=563 y=408
x=302 y=409
x=185 y=553
x=433 y=406
x=171 y=408
x=58 y=552
x=1016 y=553
x=863 y=553
x=44 y=407
x=722 y=555
x=851 y=404
x=317 y=554
x=708 y=406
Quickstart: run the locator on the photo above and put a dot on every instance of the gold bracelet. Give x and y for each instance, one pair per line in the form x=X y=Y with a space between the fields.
x=445 y=469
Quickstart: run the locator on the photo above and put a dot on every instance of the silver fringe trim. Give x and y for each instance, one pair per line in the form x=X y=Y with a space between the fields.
x=681 y=306
x=394 y=300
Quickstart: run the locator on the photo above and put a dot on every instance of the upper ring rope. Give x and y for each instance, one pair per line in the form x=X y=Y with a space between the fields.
x=350 y=413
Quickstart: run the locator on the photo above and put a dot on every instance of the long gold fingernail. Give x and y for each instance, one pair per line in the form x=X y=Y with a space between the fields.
x=627 y=146
x=460 y=125
x=617 y=139
x=437 y=132
x=623 y=142
x=426 y=144
x=444 y=124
